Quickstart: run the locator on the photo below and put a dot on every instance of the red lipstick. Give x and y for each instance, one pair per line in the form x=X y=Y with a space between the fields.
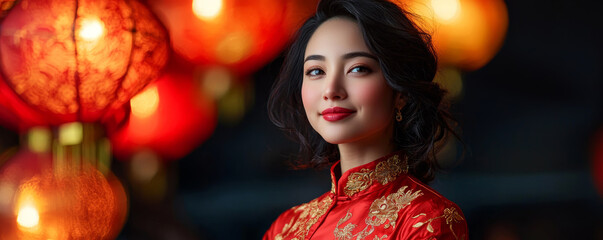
x=336 y=113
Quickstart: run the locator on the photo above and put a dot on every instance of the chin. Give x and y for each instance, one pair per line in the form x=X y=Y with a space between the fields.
x=336 y=139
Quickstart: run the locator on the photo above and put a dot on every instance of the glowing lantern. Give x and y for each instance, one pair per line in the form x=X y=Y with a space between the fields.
x=466 y=33
x=47 y=196
x=78 y=204
x=80 y=60
x=241 y=35
x=169 y=117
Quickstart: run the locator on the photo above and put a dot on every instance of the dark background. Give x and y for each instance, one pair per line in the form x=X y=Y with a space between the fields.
x=528 y=119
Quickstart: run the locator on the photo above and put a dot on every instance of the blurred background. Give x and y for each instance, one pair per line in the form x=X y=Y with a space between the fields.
x=189 y=152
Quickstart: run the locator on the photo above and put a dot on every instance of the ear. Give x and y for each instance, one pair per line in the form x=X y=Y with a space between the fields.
x=400 y=101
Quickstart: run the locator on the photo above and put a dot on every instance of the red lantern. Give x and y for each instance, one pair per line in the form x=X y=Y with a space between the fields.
x=170 y=117
x=466 y=33
x=76 y=205
x=80 y=60
x=37 y=203
x=241 y=35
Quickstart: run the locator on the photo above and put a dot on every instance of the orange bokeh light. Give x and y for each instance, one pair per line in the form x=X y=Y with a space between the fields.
x=91 y=29
x=466 y=33
x=184 y=117
x=28 y=216
x=145 y=103
x=241 y=35
x=207 y=9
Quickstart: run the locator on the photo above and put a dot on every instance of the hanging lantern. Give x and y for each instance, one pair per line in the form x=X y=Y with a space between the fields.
x=241 y=35
x=80 y=60
x=42 y=196
x=79 y=204
x=170 y=117
x=466 y=33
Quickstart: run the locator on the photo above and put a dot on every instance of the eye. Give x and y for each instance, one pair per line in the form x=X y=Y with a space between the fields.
x=360 y=69
x=314 y=72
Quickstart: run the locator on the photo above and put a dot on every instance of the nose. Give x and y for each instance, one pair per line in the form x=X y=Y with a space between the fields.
x=334 y=88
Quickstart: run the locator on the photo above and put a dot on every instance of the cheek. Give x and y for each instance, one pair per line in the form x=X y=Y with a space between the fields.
x=309 y=97
x=375 y=96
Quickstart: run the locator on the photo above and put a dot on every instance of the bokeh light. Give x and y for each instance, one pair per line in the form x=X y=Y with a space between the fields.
x=71 y=133
x=451 y=80
x=91 y=29
x=207 y=9
x=144 y=165
x=145 y=103
x=467 y=34
x=28 y=217
x=38 y=139
x=446 y=9
x=216 y=81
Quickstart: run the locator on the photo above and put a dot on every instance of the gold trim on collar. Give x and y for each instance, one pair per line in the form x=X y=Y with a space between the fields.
x=385 y=172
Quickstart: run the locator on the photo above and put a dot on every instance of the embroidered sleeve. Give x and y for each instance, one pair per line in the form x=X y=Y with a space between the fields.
x=437 y=221
x=297 y=221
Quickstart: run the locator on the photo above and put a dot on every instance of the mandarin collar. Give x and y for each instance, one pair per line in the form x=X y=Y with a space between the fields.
x=368 y=176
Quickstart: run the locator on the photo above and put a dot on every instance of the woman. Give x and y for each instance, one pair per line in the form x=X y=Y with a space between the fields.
x=356 y=91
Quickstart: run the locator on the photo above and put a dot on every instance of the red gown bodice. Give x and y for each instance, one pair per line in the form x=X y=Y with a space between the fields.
x=378 y=200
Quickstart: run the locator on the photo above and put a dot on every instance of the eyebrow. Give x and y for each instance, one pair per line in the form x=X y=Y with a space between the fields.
x=345 y=56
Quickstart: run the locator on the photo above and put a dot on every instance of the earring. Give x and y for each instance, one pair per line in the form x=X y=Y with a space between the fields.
x=398 y=116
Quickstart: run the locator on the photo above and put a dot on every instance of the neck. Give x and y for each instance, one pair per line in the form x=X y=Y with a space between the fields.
x=358 y=153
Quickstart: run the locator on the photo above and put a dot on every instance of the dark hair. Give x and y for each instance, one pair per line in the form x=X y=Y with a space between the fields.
x=409 y=64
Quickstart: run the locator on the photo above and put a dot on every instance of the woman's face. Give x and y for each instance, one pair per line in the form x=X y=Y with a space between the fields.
x=344 y=93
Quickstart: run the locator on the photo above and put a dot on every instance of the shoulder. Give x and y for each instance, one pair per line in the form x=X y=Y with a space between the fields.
x=430 y=215
x=297 y=220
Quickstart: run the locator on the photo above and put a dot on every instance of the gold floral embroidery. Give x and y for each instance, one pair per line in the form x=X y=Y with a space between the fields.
x=346 y=232
x=384 y=173
x=382 y=209
x=310 y=213
x=388 y=171
x=451 y=216
x=358 y=181
x=387 y=208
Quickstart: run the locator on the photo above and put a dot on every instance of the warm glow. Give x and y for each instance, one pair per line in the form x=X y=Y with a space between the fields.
x=145 y=103
x=39 y=139
x=446 y=9
x=451 y=80
x=28 y=217
x=232 y=105
x=216 y=82
x=235 y=47
x=71 y=133
x=145 y=165
x=91 y=29
x=207 y=9
x=6 y=194
x=467 y=34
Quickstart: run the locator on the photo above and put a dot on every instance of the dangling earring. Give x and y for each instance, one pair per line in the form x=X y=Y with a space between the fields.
x=398 y=115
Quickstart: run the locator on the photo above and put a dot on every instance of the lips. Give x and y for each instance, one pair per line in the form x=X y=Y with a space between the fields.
x=336 y=113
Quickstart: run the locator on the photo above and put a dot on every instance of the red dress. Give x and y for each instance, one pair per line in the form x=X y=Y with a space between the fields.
x=377 y=200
